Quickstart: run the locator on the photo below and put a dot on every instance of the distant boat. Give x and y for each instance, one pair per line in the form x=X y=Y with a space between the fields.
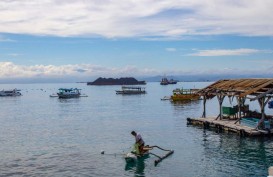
x=69 y=93
x=131 y=90
x=172 y=81
x=166 y=98
x=13 y=92
x=185 y=94
x=165 y=81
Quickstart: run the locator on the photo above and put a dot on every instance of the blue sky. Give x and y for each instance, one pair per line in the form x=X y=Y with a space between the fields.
x=75 y=40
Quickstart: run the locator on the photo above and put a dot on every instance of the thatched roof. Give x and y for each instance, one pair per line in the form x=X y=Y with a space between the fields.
x=240 y=88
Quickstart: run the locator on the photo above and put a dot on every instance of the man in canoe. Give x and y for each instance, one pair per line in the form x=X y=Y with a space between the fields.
x=139 y=144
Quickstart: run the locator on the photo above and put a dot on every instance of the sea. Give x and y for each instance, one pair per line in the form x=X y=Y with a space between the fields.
x=47 y=136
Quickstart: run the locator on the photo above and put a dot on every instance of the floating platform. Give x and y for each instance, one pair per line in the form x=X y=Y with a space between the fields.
x=228 y=125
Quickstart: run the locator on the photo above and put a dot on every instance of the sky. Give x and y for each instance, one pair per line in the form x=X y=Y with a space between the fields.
x=50 y=40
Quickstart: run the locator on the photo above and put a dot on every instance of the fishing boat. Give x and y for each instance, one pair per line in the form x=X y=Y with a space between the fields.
x=69 y=93
x=131 y=90
x=164 y=81
x=171 y=81
x=134 y=155
x=185 y=94
x=166 y=98
x=13 y=92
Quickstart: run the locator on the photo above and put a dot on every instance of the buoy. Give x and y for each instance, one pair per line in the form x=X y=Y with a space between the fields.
x=102 y=151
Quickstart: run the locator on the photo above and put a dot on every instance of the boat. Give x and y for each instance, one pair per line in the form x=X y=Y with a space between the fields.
x=131 y=90
x=14 y=92
x=166 y=98
x=54 y=95
x=134 y=155
x=165 y=81
x=69 y=93
x=185 y=94
x=172 y=81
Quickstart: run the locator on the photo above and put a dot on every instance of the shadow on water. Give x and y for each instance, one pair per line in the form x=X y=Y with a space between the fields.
x=137 y=166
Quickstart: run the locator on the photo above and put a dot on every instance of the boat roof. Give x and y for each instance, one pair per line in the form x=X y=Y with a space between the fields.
x=132 y=87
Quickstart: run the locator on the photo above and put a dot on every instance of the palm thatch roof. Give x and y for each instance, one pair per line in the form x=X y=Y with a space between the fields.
x=256 y=88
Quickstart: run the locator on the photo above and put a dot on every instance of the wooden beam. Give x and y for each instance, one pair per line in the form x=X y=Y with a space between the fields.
x=256 y=88
x=262 y=95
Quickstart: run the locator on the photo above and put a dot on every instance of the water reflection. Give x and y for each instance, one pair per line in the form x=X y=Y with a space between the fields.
x=137 y=166
x=236 y=154
x=186 y=103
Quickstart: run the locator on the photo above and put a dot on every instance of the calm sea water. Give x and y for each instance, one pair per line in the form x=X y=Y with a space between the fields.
x=43 y=136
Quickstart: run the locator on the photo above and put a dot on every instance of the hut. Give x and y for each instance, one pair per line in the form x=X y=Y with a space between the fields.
x=260 y=90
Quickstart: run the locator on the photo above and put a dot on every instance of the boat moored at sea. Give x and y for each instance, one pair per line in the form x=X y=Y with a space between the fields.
x=185 y=94
x=69 y=93
x=14 y=92
x=126 y=90
x=165 y=81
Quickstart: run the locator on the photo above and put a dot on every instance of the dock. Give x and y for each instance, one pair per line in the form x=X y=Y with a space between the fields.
x=227 y=125
x=239 y=118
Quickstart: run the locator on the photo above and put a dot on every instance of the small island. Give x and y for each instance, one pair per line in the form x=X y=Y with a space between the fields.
x=120 y=81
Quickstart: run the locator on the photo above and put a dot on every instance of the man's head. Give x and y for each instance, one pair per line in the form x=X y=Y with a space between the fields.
x=133 y=133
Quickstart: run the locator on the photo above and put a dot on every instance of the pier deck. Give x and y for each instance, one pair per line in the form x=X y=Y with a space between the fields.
x=227 y=125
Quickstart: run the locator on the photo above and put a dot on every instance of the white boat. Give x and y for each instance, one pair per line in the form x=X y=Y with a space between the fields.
x=54 y=95
x=13 y=92
x=69 y=93
x=166 y=98
x=131 y=90
x=132 y=157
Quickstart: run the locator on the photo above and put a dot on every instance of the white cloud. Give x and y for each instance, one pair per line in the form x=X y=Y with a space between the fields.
x=9 y=70
x=84 y=72
x=227 y=52
x=170 y=49
x=129 y=18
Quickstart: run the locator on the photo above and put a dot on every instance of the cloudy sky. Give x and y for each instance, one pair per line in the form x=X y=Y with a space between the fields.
x=111 y=38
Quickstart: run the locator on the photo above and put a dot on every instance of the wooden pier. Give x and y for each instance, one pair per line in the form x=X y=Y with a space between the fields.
x=227 y=125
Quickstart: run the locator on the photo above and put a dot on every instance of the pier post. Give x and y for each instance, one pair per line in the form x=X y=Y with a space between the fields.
x=220 y=99
x=204 y=106
x=262 y=104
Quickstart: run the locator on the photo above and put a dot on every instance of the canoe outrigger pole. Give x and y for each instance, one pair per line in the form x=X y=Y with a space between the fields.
x=160 y=158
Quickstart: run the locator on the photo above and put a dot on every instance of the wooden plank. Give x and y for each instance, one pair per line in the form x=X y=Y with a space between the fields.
x=256 y=88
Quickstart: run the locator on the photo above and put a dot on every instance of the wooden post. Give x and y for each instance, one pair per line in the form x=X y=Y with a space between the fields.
x=204 y=106
x=240 y=102
x=220 y=99
x=262 y=104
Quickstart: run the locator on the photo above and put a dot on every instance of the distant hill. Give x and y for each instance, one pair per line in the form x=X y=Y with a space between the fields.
x=203 y=78
x=120 y=81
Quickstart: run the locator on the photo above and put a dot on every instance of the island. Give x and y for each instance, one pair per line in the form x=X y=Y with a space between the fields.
x=120 y=81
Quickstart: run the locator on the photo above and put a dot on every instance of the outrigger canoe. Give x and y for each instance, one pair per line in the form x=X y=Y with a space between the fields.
x=134 y=155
